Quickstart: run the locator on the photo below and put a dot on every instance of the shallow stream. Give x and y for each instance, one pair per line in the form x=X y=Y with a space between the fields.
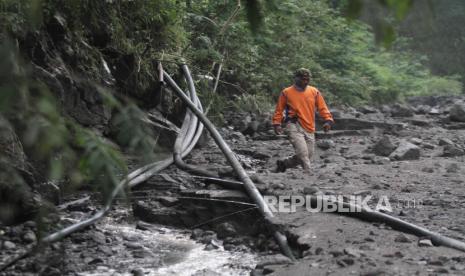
x=166 y=251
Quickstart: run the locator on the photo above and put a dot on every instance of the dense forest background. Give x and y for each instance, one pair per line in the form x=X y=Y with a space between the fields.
x=76 y=72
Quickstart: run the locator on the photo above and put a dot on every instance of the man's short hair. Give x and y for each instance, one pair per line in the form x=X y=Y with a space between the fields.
x=302 y=72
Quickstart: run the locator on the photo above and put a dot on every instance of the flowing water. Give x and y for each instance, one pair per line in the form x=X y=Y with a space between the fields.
x=166 y=251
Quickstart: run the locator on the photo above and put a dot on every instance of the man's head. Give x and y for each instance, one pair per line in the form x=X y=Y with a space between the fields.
x=302 y=77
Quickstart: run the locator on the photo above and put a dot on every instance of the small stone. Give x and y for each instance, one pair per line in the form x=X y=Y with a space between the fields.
x=30 y=224
x=229 y=247
x=168 y=201
x=445 y=141
x=382 y=160
x=436 y=262
x=30 y=237
x=137 y=272
x=425 y=243
x=278 y=186
x=209 y=247
x=434 y=111
x=428 y=169
x=348 y=261
x=273 y=260
x=325 y=144
x=225 y=229
x=452 y=168
x=457 y=112
x=142 y=254
x=133 y=245
x=441 y=270
x=368 y=239
x=99 y=238
x=452 y=150
x=311 y=190
x=384 y=147
x=336 y=253
x=458 y=267
x=402 y=239
x=95 y=261
x=406 y=151
x=416 y=141
x=352 y=252
x=9 y=245
x=377 y=272
x=428 y=146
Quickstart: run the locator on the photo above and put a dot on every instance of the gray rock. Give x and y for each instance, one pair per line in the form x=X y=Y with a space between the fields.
x=142 y=254
x=347 y=261
x=434 y=111
x=416 y=141
x=105 y=250
x=452 y=168
x=422 y=109
x=325 y=144
x=206 y=272
x=384 y=147
x=9 y=245
x=273 y=260
x=406 y=151
x=381 y=160
x=402 y=239
x=133 y=245
x=95 y=261
x=238 y=136
x=30 y=237
x=99 y=238
x=425 y=243
x=208 y=236
x=225 y=229
x=336 y=253
x=445 y=141
x=399 y=110
x=311 y=190
x=352 y=252
x=457 y=112
x=428 y=146
x=137 y=272
x=428 y=169
x=452 y=150
x=168 y=201
x=367 y=109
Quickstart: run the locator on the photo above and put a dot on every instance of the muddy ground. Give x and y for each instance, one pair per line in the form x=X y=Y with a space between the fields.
x=415 y=161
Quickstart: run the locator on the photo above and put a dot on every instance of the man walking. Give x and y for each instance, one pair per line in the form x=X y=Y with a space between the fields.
x=296 y=111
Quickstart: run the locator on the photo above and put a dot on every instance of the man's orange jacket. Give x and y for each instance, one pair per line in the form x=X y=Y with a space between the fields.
x=301 y=104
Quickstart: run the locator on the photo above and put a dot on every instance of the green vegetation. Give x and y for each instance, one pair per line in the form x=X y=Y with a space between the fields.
x=253 y=47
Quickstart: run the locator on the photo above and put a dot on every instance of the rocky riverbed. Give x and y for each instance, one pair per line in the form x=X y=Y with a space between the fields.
x=411 y=156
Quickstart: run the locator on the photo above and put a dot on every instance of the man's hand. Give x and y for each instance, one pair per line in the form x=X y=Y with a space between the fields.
x=278 y=129
x=327 y=126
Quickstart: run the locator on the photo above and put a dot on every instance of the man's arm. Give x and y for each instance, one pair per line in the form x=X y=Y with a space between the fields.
x=324 y=111
x=278 y=113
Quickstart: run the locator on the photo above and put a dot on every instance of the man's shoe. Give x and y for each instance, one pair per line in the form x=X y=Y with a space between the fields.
x=280 y=166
